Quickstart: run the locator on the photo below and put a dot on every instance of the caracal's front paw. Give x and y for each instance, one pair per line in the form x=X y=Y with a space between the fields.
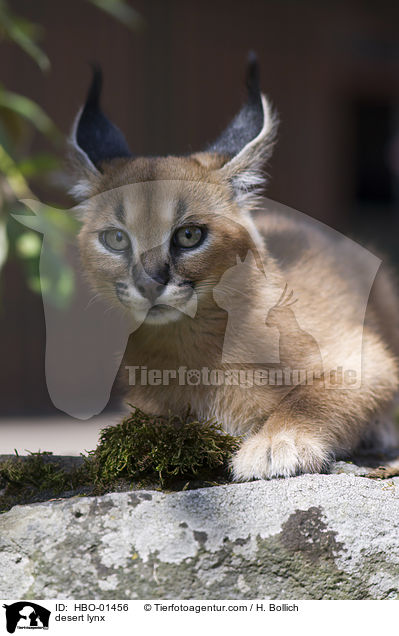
x=280 y=454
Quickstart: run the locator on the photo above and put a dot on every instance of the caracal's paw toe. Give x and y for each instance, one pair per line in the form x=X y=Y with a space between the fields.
x=280 y=454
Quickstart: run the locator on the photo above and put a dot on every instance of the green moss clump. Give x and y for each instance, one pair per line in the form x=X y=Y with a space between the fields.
x=32 y=472
x=141 y=452
x=36 y=477
x=161 y=451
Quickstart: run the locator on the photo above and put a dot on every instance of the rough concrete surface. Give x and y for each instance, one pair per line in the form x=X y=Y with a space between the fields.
x=308 y=537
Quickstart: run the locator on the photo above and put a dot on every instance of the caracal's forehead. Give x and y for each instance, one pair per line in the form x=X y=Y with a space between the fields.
x=151 y=210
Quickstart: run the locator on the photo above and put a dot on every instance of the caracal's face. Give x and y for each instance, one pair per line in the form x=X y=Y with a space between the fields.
x=158 y=247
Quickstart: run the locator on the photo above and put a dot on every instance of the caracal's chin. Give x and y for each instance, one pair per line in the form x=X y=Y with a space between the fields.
x=163 y=314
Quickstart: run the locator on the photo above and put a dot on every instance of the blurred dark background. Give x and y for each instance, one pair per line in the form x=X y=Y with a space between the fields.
x=330 y=68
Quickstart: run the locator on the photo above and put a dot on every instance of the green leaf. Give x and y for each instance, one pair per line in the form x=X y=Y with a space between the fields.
x=28 y=245
x=13 y=175
x=28 y=109
x=37 y=165
x=3 y=243
x=121 y=11
x=23 y=33
x=59 y=227
x=14 y=130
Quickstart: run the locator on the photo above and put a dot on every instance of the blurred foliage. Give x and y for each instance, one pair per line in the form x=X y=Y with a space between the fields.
x=60 y=227
x=121 y=11
x=20 y=168
x=23 y=33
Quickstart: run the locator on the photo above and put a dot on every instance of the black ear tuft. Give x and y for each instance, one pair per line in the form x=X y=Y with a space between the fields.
x=96 y=136
x=253 y=77
x=247 y=125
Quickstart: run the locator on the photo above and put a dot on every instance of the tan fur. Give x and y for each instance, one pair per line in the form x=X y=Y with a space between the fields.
x=288 y=429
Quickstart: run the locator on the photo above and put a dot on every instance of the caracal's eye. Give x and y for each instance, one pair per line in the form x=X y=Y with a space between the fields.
x=116 y=240
x=188 y=236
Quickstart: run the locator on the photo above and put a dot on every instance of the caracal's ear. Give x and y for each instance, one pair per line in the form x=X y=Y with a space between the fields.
x=247 y=142
x=94 y=140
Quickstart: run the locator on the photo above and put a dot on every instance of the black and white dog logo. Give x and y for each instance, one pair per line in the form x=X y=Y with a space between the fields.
x=26 y=615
